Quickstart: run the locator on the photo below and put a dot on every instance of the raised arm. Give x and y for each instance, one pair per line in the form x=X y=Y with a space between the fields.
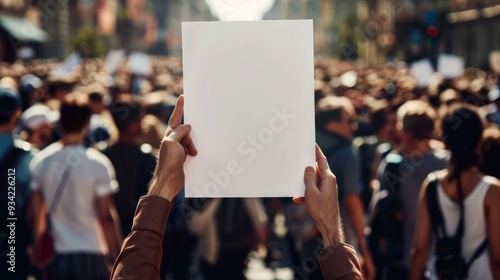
x=141 y=253
x=338 y=260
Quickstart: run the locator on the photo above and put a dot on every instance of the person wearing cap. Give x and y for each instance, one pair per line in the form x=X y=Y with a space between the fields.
x=28 y=87
x=15 y=156
x=35 y=125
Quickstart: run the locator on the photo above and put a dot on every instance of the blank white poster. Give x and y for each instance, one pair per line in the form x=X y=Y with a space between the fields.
x=249 y=96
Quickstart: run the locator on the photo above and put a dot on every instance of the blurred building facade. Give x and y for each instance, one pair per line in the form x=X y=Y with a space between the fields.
x=20 y=32
x=372 y=31
x=467 y=28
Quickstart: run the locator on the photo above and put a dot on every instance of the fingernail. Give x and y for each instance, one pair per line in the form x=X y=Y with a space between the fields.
x=310 y=169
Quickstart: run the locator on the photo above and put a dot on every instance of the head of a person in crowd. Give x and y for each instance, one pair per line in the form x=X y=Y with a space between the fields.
x=96 y=100
x=357 y=99
x=336 y=115
x=449 y=97
x=75 y=115
x=36 y=124
x=489 y=151
x=29 y=85
x=415 y=121
x=9 y=82
x=59 y=88
x=462 y=129
x=127 y=113
x=10 y=110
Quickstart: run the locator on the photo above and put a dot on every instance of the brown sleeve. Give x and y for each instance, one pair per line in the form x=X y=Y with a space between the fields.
x=140 y=255
x=339 y=262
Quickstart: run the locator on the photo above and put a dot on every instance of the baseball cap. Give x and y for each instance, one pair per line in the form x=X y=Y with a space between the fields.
x=36 y=116
x=29 y=82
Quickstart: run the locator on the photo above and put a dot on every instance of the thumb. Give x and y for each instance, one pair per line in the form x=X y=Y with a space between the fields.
x=180 y=132
x=310 y=178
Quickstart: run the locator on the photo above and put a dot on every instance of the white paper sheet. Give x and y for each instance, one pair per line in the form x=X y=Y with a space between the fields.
x=113 y=60
x=451 y=66
x=422 y=70
x=139 y=63
x=249 y=96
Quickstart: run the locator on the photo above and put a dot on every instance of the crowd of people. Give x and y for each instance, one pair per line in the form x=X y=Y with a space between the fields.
x=84 y=145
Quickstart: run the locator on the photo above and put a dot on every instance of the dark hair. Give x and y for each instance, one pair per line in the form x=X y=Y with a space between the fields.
x=462 y=131
x=75 y=112
x=125 y=109
x=329 y=108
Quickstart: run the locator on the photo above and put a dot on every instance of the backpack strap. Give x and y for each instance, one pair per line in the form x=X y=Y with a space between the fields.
x=478 y=252
x=393 y=173
x=459 y=233
x=438 y=224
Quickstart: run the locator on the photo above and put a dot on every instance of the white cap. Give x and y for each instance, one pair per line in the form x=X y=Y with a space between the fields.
x=494 y=93
x=36 y=116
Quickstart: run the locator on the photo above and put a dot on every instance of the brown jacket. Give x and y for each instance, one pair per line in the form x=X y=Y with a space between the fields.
x=141 y=253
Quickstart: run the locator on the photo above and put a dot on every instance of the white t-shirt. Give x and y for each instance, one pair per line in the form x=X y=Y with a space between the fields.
x=75 y=223
x=475 y=228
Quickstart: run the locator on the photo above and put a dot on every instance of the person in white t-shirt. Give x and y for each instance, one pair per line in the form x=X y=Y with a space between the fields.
x=74 y=186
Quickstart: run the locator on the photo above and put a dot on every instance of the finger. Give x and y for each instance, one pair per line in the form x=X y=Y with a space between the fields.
x=180 y=132
x=321 y=160
x=299 y=199
x=310 y=179
x=188 y=144
x=176 y=117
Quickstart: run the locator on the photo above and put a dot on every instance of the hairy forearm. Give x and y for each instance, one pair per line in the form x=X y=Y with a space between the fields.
x=331 y=229
x=162 y=186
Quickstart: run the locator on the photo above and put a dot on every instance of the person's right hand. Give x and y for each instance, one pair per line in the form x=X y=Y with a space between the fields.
x=168 y=178
x=321 y=199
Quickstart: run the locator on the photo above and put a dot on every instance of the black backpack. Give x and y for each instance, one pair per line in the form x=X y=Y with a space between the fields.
x=386 y=223
x=450 y=264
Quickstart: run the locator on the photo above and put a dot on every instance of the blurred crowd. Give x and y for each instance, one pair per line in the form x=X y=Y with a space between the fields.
x=381 y=132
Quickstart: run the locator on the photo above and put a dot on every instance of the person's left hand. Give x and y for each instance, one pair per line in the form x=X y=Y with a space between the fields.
x=168 y=178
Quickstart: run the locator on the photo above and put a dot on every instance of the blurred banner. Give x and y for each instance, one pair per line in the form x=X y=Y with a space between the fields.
x=106 y=17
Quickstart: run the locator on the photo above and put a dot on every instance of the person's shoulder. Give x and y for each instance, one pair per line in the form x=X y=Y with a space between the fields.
x=435 y=178
x=493 y=194
x=97 y=158
x=47 y=151
x=494 y=183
